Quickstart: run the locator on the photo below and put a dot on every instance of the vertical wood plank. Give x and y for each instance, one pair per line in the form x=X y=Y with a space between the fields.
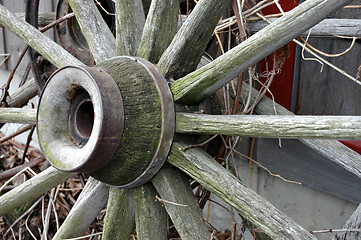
x=329 y=92
x=13 y=45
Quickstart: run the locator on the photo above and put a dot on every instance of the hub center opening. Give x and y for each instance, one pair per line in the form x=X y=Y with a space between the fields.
x=81 y=118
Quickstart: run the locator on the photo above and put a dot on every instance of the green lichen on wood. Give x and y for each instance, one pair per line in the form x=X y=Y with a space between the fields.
x=142 y=123
x=337 y=127
x=119 y=218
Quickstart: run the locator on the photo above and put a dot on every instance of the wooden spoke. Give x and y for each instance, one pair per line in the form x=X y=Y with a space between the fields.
x=331 y=127
x=198 y=85
x=35 y=39
x=23 y=94
x=99 y=37
x=119 y=219
x=331 y=149
x=352 y=224
x=203 y=168
x=31 y=189
x=130 y=23
x=150 y=217
x=17 y=115
x=176 y=193
x=159 y=29
x=91 y=201
x=184 y=53
x=329 y=27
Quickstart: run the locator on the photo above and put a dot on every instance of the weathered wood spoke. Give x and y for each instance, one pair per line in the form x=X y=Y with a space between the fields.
x=178 y=199
x=203 y=168
x=119 y=218
x=17 y=115
x=196 y=86
x=331 y=127
x=155 y=39
x=91 y=201
x=184 y=53
x=99 y=37
x=331 y=149
x=35 y=39
x=31 y=189
x=150 y=216
x=159 y=29
x=130 y=22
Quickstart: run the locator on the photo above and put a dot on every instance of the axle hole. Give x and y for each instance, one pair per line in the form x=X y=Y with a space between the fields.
x=84 y=119
x=81 y=117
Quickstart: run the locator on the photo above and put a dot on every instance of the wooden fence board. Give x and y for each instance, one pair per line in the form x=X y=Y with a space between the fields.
x=329 y=92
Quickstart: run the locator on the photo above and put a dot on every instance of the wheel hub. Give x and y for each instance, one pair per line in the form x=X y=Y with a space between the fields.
x=114 y=121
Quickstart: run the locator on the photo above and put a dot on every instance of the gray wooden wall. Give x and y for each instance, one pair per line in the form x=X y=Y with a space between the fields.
x=329 y=92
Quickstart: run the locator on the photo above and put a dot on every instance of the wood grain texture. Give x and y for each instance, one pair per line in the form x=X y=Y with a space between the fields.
x=159 y=29
x=331 y=149
x=23 y=94
x=35 y=39
x=328 y=92
x=198 y=85
x=184 y=53
x=354 y=222
x=173 y=186
x=90 y=202
x=150 y=216
x=97 y=34
x=119 y=218
x=130 y=22
x=330 y=127
x=148 y=122
x=31 y=189
x=326 y=28
x=44 y=18
x=17 y=115
x=203 y=168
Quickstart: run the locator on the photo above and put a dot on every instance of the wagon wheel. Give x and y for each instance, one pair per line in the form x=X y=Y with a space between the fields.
x=66 y=126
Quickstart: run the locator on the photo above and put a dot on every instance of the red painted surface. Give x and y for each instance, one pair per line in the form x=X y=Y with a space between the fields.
x=281 y=87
